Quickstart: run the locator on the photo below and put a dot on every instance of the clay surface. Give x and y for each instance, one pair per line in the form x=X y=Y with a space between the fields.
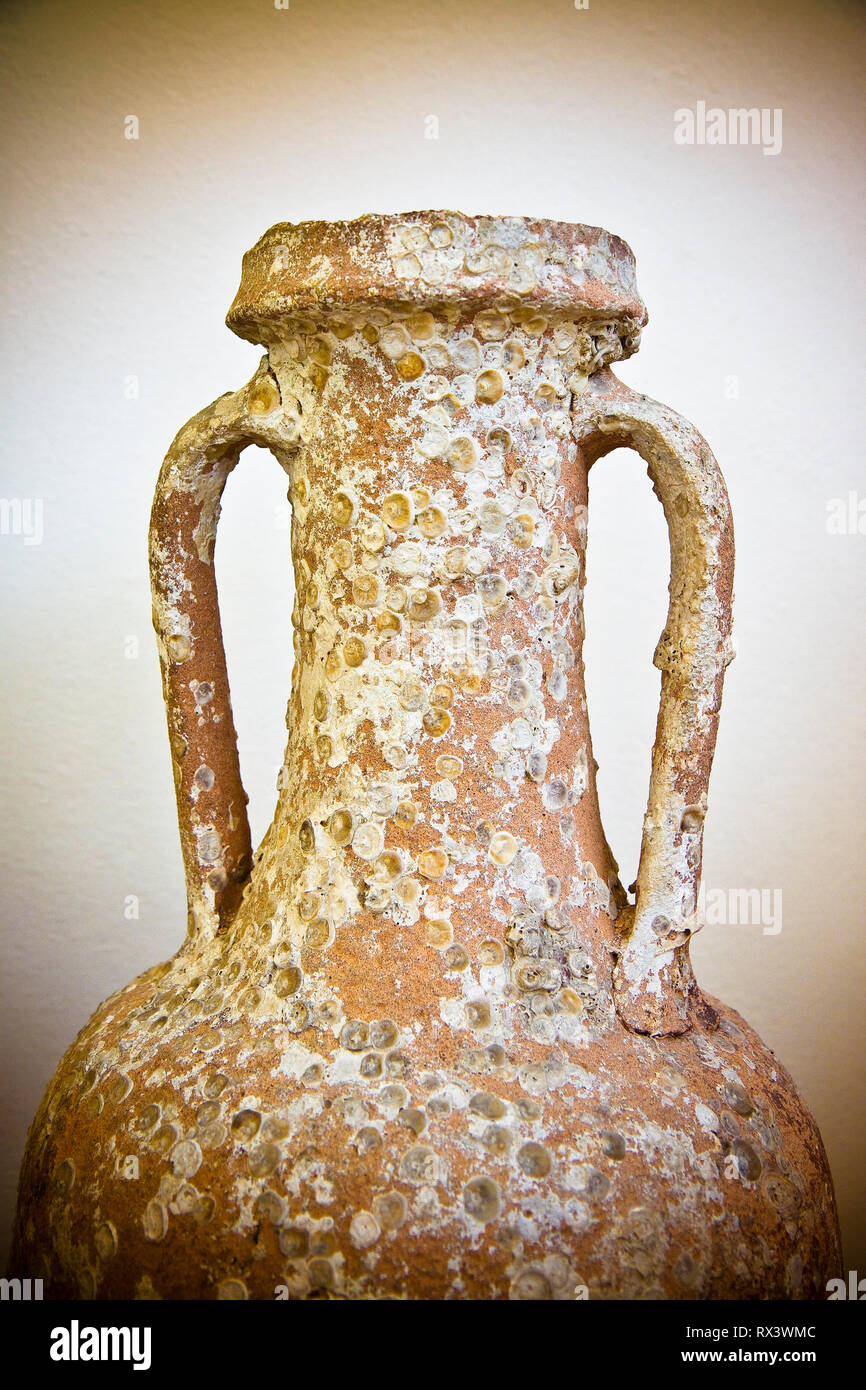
x=422 y=1044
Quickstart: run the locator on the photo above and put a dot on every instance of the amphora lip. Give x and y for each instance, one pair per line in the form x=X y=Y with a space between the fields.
x=436 y=260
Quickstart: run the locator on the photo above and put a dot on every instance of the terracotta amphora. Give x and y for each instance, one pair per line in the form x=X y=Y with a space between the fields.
x=421 y=1043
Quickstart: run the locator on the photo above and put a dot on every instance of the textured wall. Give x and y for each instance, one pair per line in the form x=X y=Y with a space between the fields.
x=120 y=259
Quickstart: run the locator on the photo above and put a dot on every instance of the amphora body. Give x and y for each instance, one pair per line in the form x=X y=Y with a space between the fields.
x=422 y=1043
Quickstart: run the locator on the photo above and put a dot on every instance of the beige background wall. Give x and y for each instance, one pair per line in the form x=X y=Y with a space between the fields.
x=120 y=260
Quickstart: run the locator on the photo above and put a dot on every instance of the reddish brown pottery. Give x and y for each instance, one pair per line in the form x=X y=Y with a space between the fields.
x=422 y=1044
